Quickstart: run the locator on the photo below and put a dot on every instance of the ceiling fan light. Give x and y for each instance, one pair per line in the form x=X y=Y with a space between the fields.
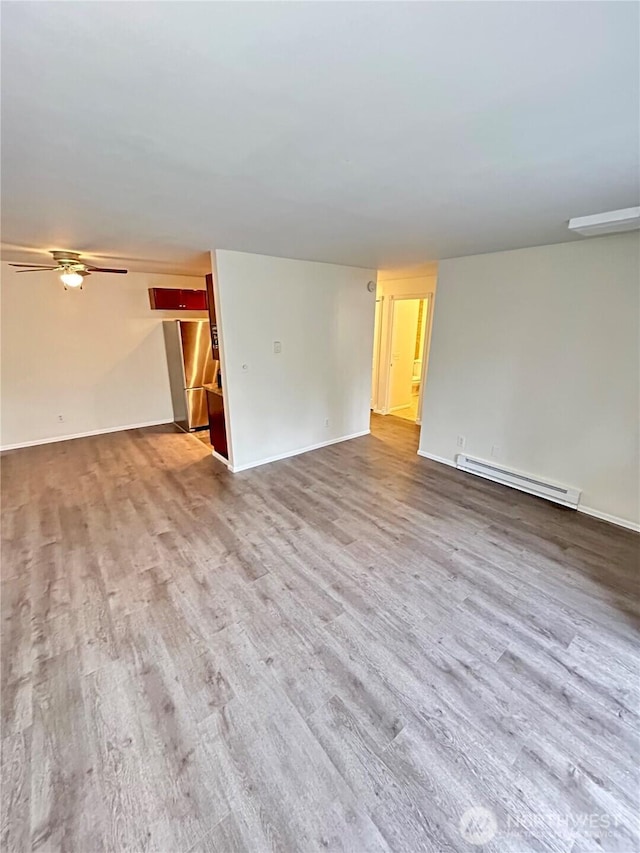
x=71 y=279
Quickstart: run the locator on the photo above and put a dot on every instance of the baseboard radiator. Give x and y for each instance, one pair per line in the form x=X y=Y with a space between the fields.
x=524 y=482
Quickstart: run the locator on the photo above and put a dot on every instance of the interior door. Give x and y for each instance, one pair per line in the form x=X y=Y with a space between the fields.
x=403 y=346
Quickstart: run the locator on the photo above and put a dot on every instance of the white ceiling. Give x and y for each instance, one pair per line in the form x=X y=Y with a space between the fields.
x=374 y=134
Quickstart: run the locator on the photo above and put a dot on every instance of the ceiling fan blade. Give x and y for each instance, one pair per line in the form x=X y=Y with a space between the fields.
x=32 y=267
x=103 y=269
x=37 y=269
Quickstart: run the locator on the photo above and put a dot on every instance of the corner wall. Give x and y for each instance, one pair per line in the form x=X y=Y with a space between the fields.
x=94 y=357
x=322 y=314
x=535 y=352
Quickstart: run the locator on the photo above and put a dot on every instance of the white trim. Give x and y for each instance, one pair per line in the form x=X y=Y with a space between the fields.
x=84 y=434
x=226 y=395
x=612 y=519
x=237 y=468
x=220 y=458
x=426 y=349
x=399 y=408
x=603 y=516
x=214 y=453
x=433 y=458
x=378 y=318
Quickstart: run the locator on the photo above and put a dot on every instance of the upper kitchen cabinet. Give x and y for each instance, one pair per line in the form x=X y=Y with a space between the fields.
x=176 y=299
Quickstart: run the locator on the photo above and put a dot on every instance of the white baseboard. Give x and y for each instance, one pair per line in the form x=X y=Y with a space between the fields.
x=433 y=458
x=612 y=519
x=603 y=516
x=84 y=434
x=399 y=408
x=221 y=459
x=237 y=468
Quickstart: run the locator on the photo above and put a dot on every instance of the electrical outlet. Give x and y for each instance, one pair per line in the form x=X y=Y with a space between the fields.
x=326 y=422
x=277 y=347
x=60 y=419
x=495 y=451
x=461 y=441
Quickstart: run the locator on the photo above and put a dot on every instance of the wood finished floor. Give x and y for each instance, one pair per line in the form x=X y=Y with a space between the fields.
x=341 y=651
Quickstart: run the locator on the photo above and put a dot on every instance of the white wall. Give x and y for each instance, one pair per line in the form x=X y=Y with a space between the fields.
x=323 y=316
x=397 y=285
x=94 y=356
x=536 y=351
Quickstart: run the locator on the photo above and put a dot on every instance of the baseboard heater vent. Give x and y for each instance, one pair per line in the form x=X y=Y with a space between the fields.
x=524 y=482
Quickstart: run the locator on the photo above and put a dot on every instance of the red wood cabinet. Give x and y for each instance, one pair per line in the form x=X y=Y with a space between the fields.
x=217 y=427
x=175 y=299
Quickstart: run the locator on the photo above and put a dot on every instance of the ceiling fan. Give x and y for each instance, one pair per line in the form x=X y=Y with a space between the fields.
x=71 y=268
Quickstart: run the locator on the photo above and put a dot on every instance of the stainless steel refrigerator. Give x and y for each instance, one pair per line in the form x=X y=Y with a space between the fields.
x=191 y=366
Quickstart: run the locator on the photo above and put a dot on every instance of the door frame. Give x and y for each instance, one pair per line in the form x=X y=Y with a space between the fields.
x=425 y=350
x=377 y=351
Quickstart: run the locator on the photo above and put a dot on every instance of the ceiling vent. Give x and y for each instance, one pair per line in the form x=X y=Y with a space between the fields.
x=606 y=223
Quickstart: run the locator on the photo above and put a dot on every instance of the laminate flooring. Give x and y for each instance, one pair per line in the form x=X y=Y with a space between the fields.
x=354 y=649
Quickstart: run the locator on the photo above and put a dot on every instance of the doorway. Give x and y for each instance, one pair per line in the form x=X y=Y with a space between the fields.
x=408 y=346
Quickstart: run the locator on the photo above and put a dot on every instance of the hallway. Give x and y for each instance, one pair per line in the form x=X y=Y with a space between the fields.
x=410 y=413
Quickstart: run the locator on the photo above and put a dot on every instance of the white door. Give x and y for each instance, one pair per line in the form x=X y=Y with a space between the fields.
x=403 y=348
